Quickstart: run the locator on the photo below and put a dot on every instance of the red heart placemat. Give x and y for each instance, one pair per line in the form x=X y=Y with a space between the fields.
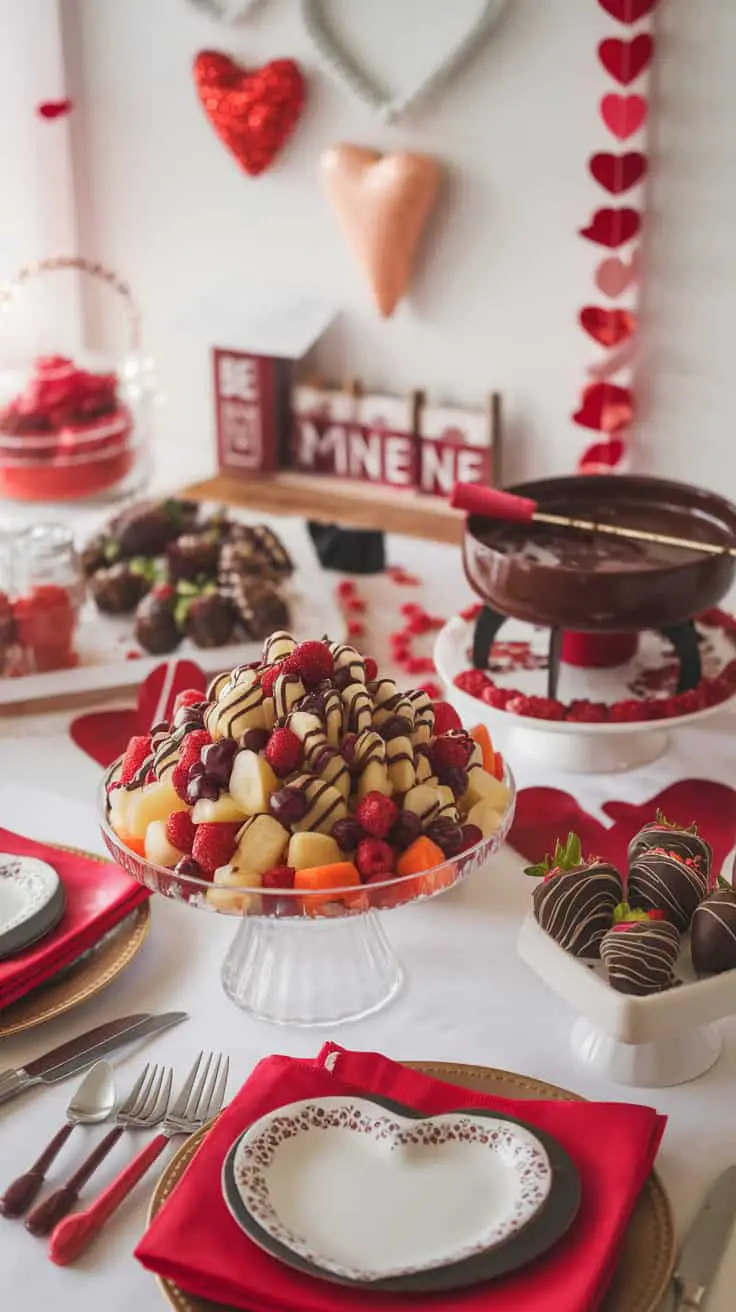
x=104 y=735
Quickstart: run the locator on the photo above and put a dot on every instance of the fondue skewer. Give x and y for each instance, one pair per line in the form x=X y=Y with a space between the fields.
x=494 y=504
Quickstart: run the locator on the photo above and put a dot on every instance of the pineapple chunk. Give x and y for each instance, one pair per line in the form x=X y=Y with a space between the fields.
x=483 y=787
x=225 y=810
x=151 y=802
x=119 y=805
x=157 y=846
x=227 y=898
x=261 y=844
x=251 y=783
x=307 y=850
x=374 y=779
x=484 y=816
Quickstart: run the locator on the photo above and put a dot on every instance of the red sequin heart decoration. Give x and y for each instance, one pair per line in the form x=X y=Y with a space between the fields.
x=628 y=11
x=253 y=113
x=607 y=327
x=623 y=115
x=626 y=60
x=605 y=407
x=612 y=227
x=618 y=173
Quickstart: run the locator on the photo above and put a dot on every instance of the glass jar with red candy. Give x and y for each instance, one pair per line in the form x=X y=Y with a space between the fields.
x=42 y=589
x=73 y=426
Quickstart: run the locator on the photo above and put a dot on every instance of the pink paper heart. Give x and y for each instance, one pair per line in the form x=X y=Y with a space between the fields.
x=613 y=276
x=623 y=115
x=613 y=362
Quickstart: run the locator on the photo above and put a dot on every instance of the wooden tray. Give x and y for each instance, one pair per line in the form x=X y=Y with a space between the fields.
x=648 y=1254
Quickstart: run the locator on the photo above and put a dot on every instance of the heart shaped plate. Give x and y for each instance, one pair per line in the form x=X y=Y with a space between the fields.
x=32 y=902
x=367 y=1192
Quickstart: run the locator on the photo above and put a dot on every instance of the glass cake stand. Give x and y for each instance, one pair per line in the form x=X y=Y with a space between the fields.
x=299 y=958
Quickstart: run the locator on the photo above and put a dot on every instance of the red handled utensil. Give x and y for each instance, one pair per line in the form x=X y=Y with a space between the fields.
x=495 y=504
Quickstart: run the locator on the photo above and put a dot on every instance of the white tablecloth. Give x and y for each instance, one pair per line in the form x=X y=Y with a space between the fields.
x=467 y=995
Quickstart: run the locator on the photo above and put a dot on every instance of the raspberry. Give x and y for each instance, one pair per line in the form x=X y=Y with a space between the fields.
x=374 y=857
x=625 y=711
x=180 y=779
x=445 y=717
x=376 y=813
x=283 y=752
x=214 y=845
x=180 y=830
x=190 y=697
x=192 y=746
x=449 y=752
x=537 y=708
x=268 y=678
x=314 y=662
x=473 y=682
x=498 y=697
x=279 y=877
x=135 y=754
x=584 y=712
x=687 y=702
x=371 y=669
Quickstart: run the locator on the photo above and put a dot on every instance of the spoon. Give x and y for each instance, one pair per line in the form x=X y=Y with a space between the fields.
x=92 y=1102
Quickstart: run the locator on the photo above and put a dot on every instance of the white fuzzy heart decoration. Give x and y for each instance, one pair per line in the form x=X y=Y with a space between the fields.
x=390 y=107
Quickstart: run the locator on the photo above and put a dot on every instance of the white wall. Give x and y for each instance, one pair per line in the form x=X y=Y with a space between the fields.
x=504 y=274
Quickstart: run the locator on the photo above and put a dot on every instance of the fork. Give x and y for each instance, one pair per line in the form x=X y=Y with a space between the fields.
x=144 y=1107
x=200 y=1099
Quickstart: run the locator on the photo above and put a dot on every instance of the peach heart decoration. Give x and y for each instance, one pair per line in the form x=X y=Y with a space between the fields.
x=613 y=277
x=383 y=203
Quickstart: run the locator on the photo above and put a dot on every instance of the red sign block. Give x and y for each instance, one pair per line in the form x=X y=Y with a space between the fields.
x=455 y=448
x=246 y=392
x=331 y=437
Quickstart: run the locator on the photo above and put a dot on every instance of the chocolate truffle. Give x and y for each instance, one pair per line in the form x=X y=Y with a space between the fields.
x=660 y=880
x=713 y=933
x=640 y=956
x=117 y=590
x=575 y=907
x=260 y=608
x=156 y=628
x=192 y=556
x=210 y=620
x=686 y=843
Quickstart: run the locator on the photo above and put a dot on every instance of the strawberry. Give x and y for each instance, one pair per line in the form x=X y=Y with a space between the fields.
x=139 y=747
x=445 y=717
x=283 y=752
x=376 y=813
x=473 y=682
x=374 y=857
x=279 y=877
x=180 y=779
x=313 y=661
x=189 y=697
x=214 y=844
x=269 y=677
x=371 y=669
x=180 y=831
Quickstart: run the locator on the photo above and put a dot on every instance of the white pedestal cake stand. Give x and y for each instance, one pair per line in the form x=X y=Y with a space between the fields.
x=563 y=745
x=664 y=1039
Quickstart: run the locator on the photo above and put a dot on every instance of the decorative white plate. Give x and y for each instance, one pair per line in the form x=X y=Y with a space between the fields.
x=366 y=1194
x=31 y=901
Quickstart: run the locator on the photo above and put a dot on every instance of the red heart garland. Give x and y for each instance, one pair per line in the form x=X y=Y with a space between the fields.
x=605 y=407
x=623 y=115
x=607 y=327
x=54 y=108
x=612 y=228
x=602 y=457
x=252 y=112
x=618 y=173
x=628 y=11
x=626 y=60
x=104 y=735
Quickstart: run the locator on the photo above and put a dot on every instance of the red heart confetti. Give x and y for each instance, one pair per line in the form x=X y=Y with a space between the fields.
x=254 y=111
x=628 y=11
x=605 y=407
x=602 y=457
x=626 y=60
x=612 y=227
x=618 y=173
x=54 y=108
x=613 y=276
x=623 y=115
x=607 y=327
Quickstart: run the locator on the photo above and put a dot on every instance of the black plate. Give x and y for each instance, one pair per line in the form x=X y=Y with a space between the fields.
x=544 y=1230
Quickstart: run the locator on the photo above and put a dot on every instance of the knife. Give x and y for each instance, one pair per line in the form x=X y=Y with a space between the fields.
x=76 y=1055
x=705 y=1243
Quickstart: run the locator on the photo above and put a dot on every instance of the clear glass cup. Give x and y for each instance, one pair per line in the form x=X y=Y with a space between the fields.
x=41 y=593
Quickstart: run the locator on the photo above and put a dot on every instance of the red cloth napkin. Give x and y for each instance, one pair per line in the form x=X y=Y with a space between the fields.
x=98 y=896
x=195 y=1242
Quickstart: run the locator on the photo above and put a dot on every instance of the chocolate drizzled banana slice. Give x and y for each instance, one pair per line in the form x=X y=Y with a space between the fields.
x=400 y=763
x=310 y=731
x=430 y=801
x=326 y=804
x=278 y=646
x=358 y=707
x=216 y=686
x=368 y=764
x=390 y=702
x=238 y=709
x=166 y=755
x=331 y=766
x=348 y=659
x=333 y=715
x=423 y=715
x=287 y=690
x=422 y=767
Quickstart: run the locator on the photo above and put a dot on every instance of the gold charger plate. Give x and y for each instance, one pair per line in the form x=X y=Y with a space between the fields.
x=648 y=1253
x=83 y=978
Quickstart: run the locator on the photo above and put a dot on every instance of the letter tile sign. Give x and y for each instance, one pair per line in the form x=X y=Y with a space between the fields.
x=454 y=447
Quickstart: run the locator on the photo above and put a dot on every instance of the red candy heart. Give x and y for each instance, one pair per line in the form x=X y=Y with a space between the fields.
x=602 y=457
x=628 y=11
x=623 y=115
x=608 y=327
x=252 y=112
x=618 y=173
x=54 y=108
x=612 y=227
x=605 y=408
x=626 y=60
